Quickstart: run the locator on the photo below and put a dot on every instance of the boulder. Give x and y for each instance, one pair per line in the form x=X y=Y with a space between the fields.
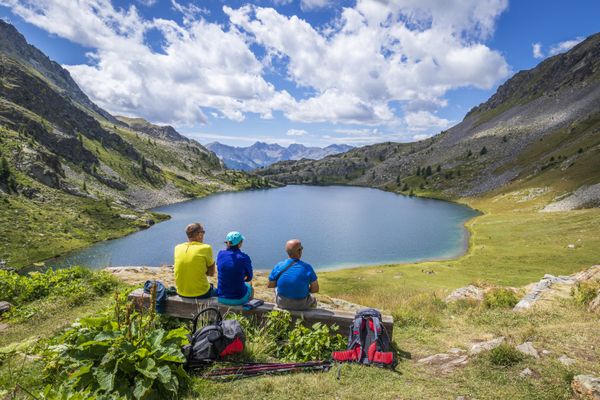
x=470 y=292
x=536 y=291
x=528 y=349
x=566 y=360
x=478 y=347
x=4 y=306
x=586 y=387
x=594 y=306
x=529 y=373
x=446 y=362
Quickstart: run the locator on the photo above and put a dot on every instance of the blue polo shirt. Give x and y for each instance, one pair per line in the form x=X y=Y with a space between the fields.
x=234 y=268
x=294 y=282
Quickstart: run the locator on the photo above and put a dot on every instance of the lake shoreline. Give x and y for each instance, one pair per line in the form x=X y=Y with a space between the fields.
x=450 y=254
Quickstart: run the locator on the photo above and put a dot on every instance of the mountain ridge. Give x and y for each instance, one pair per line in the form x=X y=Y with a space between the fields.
x=541 y=126
x=261 y=154
x=78 y=174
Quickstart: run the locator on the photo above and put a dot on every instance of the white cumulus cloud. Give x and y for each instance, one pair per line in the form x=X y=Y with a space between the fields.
x=405 y=53
x=537 y=50
x=565 y=46
x=296 y=132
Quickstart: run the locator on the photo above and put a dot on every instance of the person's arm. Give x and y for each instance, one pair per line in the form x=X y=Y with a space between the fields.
x=210 y=263
x=248 y=270
x=272 y=282
x=210 y=270
x=313 y=287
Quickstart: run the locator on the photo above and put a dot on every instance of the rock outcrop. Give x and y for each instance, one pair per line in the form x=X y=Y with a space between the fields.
x=551 y=286
x=586 y=387
x=468 y=293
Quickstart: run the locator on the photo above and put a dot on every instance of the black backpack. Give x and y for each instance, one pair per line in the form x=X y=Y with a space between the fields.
x=214 y=341
x=368 y=341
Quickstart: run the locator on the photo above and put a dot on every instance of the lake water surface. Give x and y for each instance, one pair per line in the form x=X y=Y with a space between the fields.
x=339 y=227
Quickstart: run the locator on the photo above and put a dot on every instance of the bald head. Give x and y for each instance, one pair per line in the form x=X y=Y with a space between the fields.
x=293 y=248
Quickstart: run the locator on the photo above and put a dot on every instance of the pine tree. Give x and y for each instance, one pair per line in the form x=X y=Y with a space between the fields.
x=470 y=153
x=483 y=151
x=398 y=180
x=439 y=168
x=418 y=171
x=405 y=187
x=4 y=170
x=428 y=171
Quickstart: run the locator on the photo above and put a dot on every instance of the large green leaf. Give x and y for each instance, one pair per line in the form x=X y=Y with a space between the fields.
x=164 y=374
x=143 y=386
x=105 y=378
x=147 y=367
x=84 y=369
x=155 y=338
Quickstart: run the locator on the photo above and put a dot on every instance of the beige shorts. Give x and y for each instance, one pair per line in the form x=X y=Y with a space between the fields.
x=306 y=303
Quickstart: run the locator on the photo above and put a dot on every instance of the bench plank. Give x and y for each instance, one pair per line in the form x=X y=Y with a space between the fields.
x=187 y=308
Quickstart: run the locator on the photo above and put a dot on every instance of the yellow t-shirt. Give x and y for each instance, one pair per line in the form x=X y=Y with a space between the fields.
x=192 y=260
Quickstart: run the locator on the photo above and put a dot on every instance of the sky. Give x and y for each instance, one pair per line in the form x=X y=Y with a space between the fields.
x=315 y=72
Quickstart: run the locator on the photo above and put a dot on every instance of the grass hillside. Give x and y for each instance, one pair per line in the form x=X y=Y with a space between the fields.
x=72 y=174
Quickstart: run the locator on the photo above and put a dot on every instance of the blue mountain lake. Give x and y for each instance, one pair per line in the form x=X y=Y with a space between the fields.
x=339 y=227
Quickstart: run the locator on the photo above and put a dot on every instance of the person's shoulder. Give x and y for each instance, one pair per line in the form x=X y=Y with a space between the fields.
x=304 y=264
x=180 y=245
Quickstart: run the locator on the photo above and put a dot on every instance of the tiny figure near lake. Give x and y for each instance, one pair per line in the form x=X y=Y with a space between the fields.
x=193 y=263
x=294 y=280
x=234 y=272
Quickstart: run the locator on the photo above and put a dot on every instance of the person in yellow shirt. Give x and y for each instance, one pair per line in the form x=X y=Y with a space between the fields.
x=193 y=263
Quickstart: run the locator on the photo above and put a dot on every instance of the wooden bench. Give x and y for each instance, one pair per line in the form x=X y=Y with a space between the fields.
x=188 y=308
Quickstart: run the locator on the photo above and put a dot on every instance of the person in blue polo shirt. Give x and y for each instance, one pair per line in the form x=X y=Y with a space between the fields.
x=234 y=272
x=294 y=280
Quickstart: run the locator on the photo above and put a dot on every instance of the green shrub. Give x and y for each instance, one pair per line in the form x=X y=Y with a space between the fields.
x=584 y=292
x=123 y=355
x=276 y=337
x=315 y=343
x=505 y=356
x=500 y=298
x=77 y=284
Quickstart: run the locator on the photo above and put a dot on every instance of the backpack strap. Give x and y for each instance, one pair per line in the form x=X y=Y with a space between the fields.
x=213 y=309
x=285 y=269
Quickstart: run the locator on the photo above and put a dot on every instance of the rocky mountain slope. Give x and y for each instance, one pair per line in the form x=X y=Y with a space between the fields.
x=542 y=126
x=263 y=154
x=77 y=173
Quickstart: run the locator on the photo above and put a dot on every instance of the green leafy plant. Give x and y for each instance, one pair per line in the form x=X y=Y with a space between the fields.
x=277 y=337
x=125 y=354
x=505 y=356
x=77 y=283
x=315 y=343
x=500 y=298
x=584 y=292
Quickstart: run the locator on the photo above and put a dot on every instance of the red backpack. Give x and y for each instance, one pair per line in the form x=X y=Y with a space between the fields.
x=368 y=341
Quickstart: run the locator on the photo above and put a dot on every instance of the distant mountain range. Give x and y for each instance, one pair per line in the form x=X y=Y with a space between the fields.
x=262 y=154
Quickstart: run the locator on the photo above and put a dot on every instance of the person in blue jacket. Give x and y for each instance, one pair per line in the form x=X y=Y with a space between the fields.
x=295 y=281
x=234 y=269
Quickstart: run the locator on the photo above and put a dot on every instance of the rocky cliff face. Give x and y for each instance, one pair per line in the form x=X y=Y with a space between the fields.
x=14 y=45
x=71 y=170
x=541 y=122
